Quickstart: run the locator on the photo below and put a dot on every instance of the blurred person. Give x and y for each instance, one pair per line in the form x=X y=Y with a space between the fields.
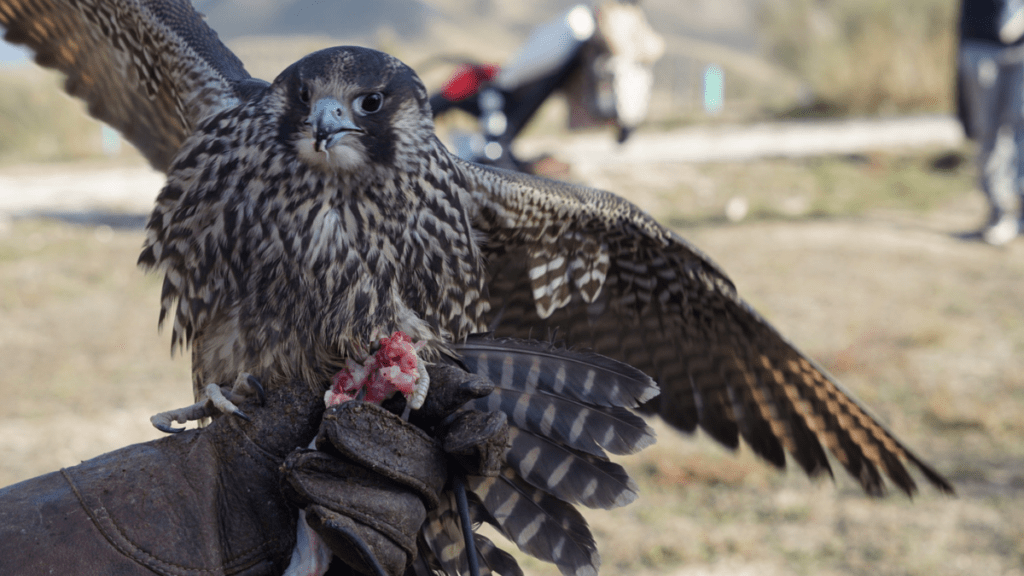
x=600 y=56
x=990 y=86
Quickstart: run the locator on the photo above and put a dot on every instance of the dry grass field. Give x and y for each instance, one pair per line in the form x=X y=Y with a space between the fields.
x=855 y=259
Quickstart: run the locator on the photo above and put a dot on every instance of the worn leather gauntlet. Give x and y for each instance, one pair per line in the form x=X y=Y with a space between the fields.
x=214 y=500
x=368 y=485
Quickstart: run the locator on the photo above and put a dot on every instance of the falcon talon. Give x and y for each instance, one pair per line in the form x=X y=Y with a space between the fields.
x=254 y=384
x=192 y=412
x=162 y=423
x=215 y=395
x=419 y=391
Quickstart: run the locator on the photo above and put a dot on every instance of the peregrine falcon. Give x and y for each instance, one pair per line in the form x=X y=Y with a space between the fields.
x=305 y=217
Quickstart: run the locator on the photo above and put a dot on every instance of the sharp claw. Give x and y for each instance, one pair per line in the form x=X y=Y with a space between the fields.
x=162 y=423
x=212 y=401
x=261 y=395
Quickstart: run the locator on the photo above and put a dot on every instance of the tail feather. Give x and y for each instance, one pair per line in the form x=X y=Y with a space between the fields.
x=565 y=410
x=443 y=536
x=538 y=523
x=591 y=429
x=584 y=376
x=572 y=476
x=495 y=559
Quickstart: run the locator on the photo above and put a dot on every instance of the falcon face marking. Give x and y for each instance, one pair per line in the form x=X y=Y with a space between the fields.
x=348 y=107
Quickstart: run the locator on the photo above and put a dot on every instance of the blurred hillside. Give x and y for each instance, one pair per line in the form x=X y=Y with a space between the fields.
x=781 y=58
x=697 y=32
x=865 y=56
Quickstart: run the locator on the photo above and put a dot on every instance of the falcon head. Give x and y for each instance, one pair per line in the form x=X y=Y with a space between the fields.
x=348 y=107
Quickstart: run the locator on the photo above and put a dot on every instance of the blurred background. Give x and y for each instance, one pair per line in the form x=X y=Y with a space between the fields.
x=808 y=146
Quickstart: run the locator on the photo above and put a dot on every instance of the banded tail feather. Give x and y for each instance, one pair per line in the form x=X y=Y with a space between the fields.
x=566 y=410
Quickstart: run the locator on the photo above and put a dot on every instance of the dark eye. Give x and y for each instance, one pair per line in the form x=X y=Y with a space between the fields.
x=369 y=103
x=304 y=94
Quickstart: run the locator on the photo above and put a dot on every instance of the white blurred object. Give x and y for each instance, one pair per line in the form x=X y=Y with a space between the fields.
x=736 y=209
x=1011 y=21
x=581 y=21
x=628 y=33
x=548 y=47
x=632 y=83
x=24 y=189
x=634 y=47
x=1000 y=233
x=310 y=556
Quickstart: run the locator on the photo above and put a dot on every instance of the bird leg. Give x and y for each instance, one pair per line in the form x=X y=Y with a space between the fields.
x=214 y=400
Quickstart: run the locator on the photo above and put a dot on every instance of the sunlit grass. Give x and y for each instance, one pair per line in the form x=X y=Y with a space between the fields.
x=792 y=189
x=866 y=57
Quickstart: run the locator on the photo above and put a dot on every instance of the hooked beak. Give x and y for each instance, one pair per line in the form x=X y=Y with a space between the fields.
x=331 y=121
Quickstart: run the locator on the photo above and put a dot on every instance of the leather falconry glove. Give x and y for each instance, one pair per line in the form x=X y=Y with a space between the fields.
x=367 y=487
x=207 y=501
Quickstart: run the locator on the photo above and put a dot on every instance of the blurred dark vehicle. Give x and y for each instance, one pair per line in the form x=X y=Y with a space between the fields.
x=601 y=57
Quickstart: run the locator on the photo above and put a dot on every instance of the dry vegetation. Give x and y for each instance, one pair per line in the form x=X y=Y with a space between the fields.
x=923 y=327
x=866 y=56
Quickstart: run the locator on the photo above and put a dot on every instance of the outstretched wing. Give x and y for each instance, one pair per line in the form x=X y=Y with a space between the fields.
x=597 y=272
x=150 y=68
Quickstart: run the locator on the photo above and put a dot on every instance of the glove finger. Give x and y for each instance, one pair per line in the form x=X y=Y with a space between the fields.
x=450 y=388
x=363 y=548
x=370 y=436
x=313 y=477
x=332 y=488
x=478 y=441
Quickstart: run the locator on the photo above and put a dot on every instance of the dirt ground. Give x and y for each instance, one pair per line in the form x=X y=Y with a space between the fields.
x=922 y=326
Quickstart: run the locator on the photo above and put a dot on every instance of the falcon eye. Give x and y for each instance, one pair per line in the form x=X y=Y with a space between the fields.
x=370 y=103
x=304 y=94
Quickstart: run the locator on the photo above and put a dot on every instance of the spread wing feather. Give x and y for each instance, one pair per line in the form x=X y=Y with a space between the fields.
x=605 y=276
x=443 y=544
x=442 y=549
x=150 y=68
